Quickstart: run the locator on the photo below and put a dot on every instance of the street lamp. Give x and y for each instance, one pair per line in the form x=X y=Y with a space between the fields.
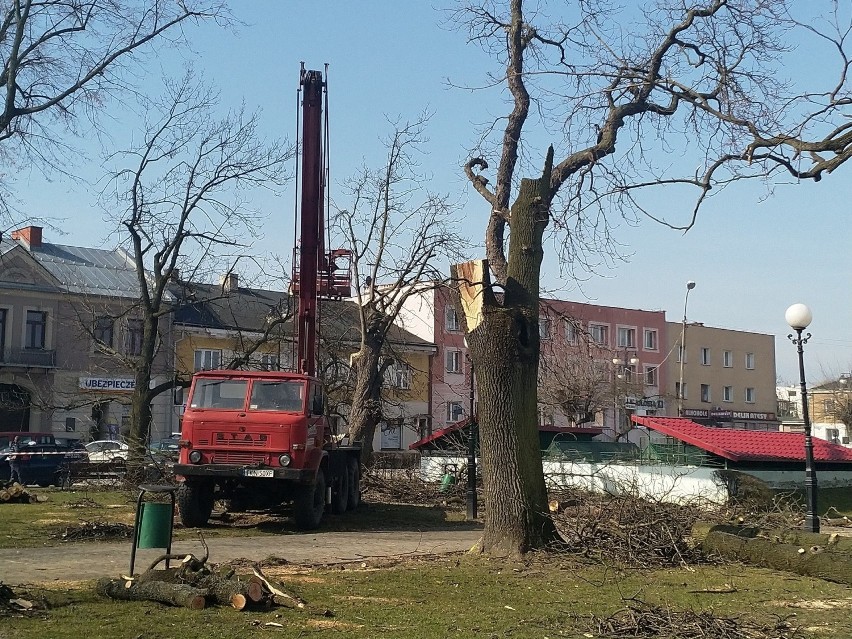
x=799 y=316
x=470 y=493
x=622 y=367
x=689 y=286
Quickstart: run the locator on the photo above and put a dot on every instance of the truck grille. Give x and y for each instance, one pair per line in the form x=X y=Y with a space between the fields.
x=260 y=440
x=237 y=457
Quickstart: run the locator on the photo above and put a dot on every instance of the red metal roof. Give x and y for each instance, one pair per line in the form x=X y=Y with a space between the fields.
x=745 y=445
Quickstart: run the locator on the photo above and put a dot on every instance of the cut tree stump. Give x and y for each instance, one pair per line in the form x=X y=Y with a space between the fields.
x=173 y=594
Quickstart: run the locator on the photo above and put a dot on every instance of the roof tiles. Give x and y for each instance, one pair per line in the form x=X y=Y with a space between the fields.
x=746 y=445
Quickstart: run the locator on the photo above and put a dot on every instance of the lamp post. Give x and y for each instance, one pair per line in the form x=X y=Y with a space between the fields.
x=799 y=316
x=689 y=286
x=621 y=368
x=470 y=493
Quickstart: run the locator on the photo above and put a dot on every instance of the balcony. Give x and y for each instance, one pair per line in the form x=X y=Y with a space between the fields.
x=28 y=358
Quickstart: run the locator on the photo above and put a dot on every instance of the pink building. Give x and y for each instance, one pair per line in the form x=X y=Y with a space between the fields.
x=599 y=363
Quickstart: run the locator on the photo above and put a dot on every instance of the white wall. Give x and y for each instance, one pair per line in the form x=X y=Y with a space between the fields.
x=668 y=483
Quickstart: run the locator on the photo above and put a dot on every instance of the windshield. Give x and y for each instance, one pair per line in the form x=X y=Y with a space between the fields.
x=228 y=394
x=277 y=395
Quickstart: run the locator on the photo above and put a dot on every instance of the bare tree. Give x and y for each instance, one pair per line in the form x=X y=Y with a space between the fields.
x=399 y=233
x=63 y=59
x=700 y=81
x=183 y=205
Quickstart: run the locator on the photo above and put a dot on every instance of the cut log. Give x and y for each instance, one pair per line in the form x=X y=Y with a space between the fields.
x=807 y=559
x=281 y=597
x=173 y=594
x=5 y=495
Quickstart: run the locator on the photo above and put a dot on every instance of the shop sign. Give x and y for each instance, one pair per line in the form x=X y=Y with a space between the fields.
x=121 y=384
x=633 y=403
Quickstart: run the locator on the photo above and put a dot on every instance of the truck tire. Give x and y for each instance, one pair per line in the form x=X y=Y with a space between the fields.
x=195 y=503
x=354 y=472
x=340 y=489
x=309 y=504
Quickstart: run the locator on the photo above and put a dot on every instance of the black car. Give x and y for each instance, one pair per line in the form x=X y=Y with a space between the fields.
x=41 y=464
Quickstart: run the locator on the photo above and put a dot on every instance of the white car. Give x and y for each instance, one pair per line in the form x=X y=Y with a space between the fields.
x=106 y=450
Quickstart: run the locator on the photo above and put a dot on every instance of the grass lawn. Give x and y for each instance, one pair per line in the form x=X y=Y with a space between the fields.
x=460 y=596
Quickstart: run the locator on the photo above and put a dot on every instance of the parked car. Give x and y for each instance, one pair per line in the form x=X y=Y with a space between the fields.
x=41 y=464
x=71 y=442
x=7 y=437
x=166 y=448
x=107 y=450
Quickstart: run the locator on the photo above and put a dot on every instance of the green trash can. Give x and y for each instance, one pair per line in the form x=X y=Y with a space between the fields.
x=154 y=522
x=155 y=529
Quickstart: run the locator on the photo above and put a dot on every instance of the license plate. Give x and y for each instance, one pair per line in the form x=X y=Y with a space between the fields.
x=258 y=472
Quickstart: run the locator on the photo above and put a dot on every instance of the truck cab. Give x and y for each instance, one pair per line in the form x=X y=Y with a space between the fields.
x=259 y=438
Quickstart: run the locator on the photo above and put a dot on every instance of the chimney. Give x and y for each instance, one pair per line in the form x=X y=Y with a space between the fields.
x=29 y=235
x=230 y=282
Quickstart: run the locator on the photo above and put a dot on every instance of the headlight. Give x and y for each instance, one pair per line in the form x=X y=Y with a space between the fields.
x=284 y=459
x=195 y=456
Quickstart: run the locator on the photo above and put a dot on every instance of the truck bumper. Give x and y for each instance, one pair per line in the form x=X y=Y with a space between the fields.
x=227 y=471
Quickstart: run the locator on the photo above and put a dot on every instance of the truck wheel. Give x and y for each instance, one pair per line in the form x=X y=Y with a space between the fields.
x=309 y=505
x=340 y=490
x=354 y=472
x=195 y=503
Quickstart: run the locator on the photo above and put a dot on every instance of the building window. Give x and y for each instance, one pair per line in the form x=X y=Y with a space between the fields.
x=398 y=375
x=570 y=332
x=705 y=393
x=750 y=361
x=453 y=361
x=103 y=331
x=681 y=390
x=651 y=376
x=626 y=337
x=424 y=427
x=705 y=357
x=135 y=331
x=599 y=334
x=728 y=359
x=828 y=406
x=452 y=320
x=208 y=359
x=269 y=362
x=728 y=394
x=455 y=412
x=544 y=328
x=749 y=395
x=650 y=339
x=2 y=332
x=681 y=353
x=36 y=330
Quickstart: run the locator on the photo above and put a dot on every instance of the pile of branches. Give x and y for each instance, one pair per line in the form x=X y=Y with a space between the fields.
x=195 y=584
x=13 y=606
x=404 y=486
x=100 y=530
x=11 y=492
x=643 y=620
x=627 y=529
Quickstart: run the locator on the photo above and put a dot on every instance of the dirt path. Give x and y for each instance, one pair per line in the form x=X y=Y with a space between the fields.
x=78 y=561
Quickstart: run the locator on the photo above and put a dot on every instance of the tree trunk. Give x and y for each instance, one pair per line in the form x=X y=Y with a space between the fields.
x=174 y=594
x=505 y=348
x=141 y=415
x=366 y=407
x=810 y=555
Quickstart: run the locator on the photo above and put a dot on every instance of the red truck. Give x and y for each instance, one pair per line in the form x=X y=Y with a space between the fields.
x=263 y=437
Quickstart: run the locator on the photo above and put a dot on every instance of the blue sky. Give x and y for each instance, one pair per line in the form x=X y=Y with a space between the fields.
x=750 y=255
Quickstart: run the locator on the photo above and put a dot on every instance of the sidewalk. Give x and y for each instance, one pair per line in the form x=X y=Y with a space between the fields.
x=79 y=561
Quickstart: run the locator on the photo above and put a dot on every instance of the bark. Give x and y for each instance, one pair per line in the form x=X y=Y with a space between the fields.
x=168 y=593
x=366 y=408
x=822 y=560
x=505 y=348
